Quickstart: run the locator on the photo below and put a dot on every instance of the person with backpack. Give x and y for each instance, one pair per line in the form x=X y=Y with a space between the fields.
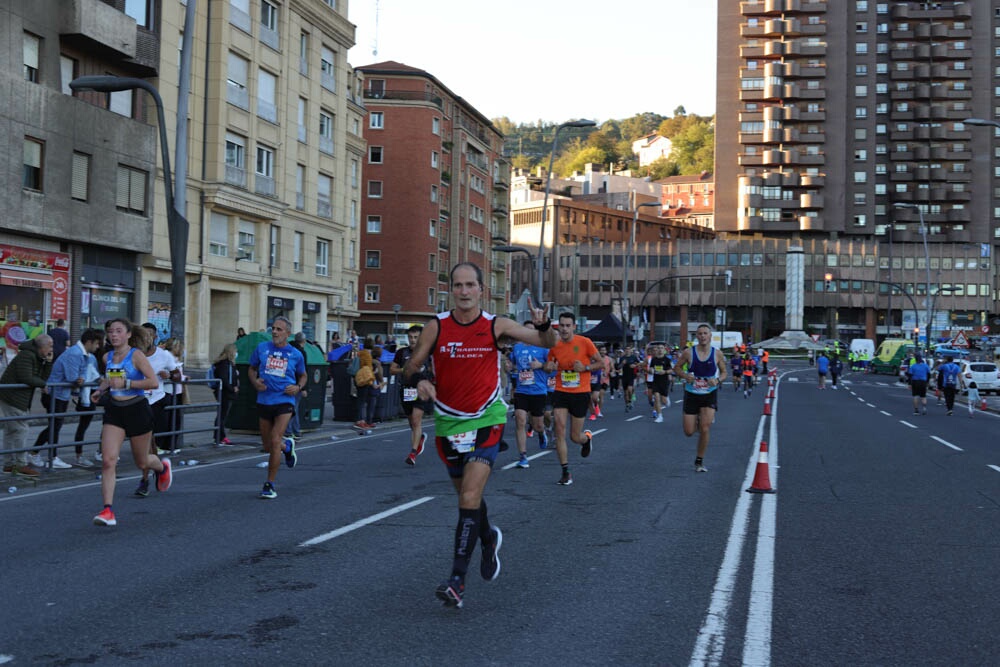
x=364 y=380
x=948 y=373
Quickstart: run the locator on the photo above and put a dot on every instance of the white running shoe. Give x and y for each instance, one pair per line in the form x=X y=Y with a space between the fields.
x=60 y=464
x=36 y=460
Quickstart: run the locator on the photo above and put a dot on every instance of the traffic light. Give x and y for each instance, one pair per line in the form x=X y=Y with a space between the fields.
x=828 y=278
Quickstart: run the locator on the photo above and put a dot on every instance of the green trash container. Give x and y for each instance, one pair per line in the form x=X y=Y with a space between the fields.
x=311 y=405
x=243 y=413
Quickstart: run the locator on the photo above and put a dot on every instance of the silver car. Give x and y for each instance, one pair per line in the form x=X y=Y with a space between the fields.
x=985 y=374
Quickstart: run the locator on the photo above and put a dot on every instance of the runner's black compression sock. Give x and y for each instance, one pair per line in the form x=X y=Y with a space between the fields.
x=466 y=534
x=485 y=530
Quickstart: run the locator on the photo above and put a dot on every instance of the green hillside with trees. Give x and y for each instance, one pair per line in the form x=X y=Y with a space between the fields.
x=693 y=138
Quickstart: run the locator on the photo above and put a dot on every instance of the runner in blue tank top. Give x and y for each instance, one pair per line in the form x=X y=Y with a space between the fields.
x=703 y=369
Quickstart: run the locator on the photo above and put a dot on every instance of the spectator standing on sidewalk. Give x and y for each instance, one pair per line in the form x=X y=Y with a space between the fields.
x=364 y=379
x=60 y=339
x=69 y=368
x=31 y=367
x=176 y=393
x=224 y=370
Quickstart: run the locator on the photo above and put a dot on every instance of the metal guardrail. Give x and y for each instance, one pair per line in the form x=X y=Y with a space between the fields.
x=51 y=415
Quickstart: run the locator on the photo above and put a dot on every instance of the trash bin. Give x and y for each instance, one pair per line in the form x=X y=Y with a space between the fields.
x=344 y=405
x=390 y=400
x=312 y=404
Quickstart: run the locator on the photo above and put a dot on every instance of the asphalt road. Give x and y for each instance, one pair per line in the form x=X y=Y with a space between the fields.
x=880 y=547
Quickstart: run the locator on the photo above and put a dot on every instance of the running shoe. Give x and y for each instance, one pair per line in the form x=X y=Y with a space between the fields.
x=587 y=446
x=411 y=458
x=164 y=479
x=450 y=592
x=143 y=489
x=522 y=462
x=924 y=411
x=489 y=567
x=543 y=440
x=530 y=432
x=105 y=518
x=268 y=492
x=668 y=401
x=593 y=416
x=291 y=458
x=655 y=414
x=700 y=467
x=659 y=419
x=420 y=445
x=58 y=463
x=566 y=479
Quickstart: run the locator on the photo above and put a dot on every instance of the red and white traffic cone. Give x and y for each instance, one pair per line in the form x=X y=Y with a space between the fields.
x=770 y=393
x=761 y=477
x=982 y=404
x=767 y=405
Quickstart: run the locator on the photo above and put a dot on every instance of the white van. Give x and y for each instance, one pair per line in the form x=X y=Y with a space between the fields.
x=725 y=340
x=863 y=345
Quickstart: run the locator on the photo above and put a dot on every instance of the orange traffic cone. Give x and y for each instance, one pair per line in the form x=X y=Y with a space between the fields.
x=761 y=477
x=767 y=405
x=771 y=392
x=982 y=404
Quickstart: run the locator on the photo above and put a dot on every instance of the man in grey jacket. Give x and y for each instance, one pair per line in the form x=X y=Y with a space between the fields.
x=30 y=367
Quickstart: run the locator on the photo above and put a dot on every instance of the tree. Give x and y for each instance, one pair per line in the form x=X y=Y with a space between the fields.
x=694 y=148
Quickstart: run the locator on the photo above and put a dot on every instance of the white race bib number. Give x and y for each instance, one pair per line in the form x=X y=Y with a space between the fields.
x=570 y=379
x=409 y=394
x=526 y=377
x=463 y=443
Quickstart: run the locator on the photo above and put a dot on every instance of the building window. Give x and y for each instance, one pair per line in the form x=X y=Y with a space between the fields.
x=300 y=187
x=131 y=194
x=353 y=222
x=327 y=68
x=303 y=131
x=860 y=177
x=298 y=242
x=374 y=224
x=434 y=159
x=33 y=154
x=434 y=194
x=374 y=155
x=141 y=11
x=324 y=188
x=80 y=183
x=304 y=54
x=67 y=72
x=275 y=249
x=236 y=81
x=120 y=102
x=355 y=173
x=236 y=160
x=322 y=257
x=432 y=229
x=267 y=85
x=326 y=132
x=372 y=293
x=269 y=24
x=264 y=174
x=247 y=241
x=436 y=125
x=431 y=293
x=432 y=263
x=376 y=120
x=32 y=47
x=373 y=259
x=218 y=235
x=239 y=14
x=374 y=189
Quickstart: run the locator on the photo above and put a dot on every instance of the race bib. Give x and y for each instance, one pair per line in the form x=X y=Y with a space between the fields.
x=463 y=443
x=526 y=377
x=570 y=379
x=276 y=366
x=700 y=383
x=550 y=383
x=409 y=394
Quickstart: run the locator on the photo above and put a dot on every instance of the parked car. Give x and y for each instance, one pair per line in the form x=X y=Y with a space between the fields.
x=985 y=374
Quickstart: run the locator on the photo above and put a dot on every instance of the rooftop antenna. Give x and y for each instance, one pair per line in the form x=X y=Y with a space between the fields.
x=375 y=39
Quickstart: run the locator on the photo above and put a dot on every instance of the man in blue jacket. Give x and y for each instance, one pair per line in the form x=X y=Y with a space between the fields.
x=69 y=368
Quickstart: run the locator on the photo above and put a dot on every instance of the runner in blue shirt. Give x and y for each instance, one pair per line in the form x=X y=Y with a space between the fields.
x=278 y=373
x=919 y=373
x=529 y=394
x=948 y=373
x=822 y=367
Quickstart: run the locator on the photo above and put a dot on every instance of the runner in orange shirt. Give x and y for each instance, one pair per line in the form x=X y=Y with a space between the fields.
x=572 y=359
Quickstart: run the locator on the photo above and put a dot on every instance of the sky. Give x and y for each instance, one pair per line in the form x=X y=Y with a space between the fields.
x=551 y=60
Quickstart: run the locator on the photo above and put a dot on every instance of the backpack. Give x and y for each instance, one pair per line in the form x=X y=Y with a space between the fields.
x=364 y=377
x=950 y=373
x=353 y=365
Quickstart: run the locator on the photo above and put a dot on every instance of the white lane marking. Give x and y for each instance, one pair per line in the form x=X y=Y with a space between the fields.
x=860 y=399
x=905 y=423
x=870 y=405
x=997 y=468
x=711 y=642
x=792 y=379
x=946 y=443
x=757 y=640
x=4 y=659
x=364 y=522
x=530 y=458
x=632 y=419
x=598 y=431
x=885 y=413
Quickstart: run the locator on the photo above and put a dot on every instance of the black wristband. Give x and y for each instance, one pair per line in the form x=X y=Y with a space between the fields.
x=544 y=326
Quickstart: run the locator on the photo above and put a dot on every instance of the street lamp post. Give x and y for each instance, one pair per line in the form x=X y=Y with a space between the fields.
x=545 y=208
x=628 y=256
x=927 y=262
x=177 y=224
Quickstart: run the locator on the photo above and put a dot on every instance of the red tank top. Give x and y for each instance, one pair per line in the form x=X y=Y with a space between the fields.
x=466 y=365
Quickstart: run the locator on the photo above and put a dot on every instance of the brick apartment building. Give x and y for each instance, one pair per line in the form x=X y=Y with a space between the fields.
x=436 y=191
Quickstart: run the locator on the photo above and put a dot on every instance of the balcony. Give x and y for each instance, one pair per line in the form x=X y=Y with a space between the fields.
x=267 y=110
x=264 y=185
x=326 y=145
x=97 y=24
x=237 y=95
x=300 y=201
x=328 y=81
x=323 y=207
x=404 y=96
x=269 y=37
x=236 y=176
x=240 y=19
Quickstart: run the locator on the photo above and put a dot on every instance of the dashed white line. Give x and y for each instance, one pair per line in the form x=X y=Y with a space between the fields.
x=946 y=443
x=632 y=419
x=364 y=522
x=870 y=405
x=885 y=413
x=861 y=399
x=906 y=423
x=997 y=468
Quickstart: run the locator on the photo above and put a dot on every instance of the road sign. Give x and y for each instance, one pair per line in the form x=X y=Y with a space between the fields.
x=985 y=329
x=960 y=340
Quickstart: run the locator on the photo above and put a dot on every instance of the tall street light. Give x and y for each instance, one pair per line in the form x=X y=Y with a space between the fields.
x=927 y=263
x=177 y=224
x=545 y=208
x=628 y=255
